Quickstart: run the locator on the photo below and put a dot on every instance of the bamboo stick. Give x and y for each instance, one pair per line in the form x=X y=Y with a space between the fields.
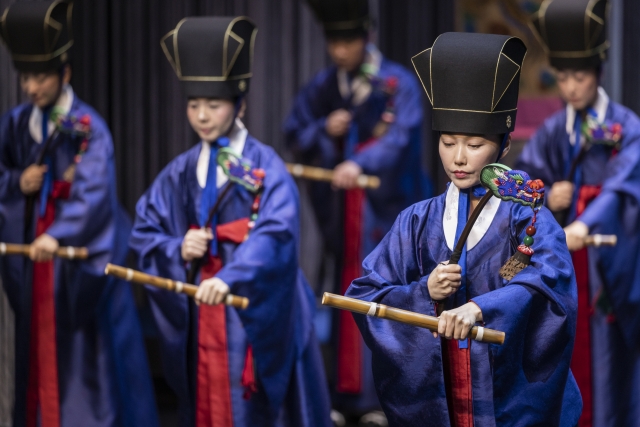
x=477 y=333
x=66 y=252
x=320 y=174
x=139 y=277
x=598 y=240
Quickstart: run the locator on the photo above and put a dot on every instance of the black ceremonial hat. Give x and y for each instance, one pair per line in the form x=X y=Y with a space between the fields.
x=38 y=34
x=472 y=81
x=212 y=56
x=342 y=18
x=573 y=32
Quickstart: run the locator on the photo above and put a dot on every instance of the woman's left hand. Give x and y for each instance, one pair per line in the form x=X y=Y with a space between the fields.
x=211 y=291
x=576 y=232
x=456 y=323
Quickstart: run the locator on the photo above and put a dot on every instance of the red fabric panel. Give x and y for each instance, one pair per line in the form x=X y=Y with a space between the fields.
x=457 y=373
x=349 y=342
x=581 y=360
x=213 y=394
x=42 y=387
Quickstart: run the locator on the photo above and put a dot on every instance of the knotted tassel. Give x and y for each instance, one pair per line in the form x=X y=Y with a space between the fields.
x=521 y=259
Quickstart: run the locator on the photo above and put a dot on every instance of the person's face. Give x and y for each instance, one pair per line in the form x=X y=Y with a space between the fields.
x=463 y=156
x=43 y=89
x=347 y=54
x=211 y=117
x=578 y=88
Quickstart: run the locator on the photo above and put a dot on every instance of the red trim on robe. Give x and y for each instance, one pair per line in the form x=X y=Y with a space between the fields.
x=349 y=342
x=42 y=387
x=213 y=390
x=457 y=379
x=581 y=360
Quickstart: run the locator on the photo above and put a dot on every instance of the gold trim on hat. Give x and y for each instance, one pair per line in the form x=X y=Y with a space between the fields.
x=50 y=22
x=418 y=73
x=495 y=78
x=493 y=106
x=226 y=68
x=540 y=32
x=166 y=51
x=43 y=57
x=476 y=111
x=580 y=53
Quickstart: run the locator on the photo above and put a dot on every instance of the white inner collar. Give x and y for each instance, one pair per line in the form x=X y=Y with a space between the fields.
x=600 y=107
x=237 y=139
x=360 y=87
x=64 y=102
x=450 y=218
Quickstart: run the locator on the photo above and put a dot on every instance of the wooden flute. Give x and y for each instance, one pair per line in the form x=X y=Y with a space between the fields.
x=139 y=277
x=66 y=252
x=320 y=174
x=478 y=333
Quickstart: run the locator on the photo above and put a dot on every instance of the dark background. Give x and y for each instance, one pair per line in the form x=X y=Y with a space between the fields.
x=120 y=69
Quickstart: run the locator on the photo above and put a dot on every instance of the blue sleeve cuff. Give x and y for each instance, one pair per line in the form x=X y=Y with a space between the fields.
x=502 y=304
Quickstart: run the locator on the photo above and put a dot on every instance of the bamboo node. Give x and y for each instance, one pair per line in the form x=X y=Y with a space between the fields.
x=372 y=309
x=179 y=287
x=129 y=276
x=479 y=333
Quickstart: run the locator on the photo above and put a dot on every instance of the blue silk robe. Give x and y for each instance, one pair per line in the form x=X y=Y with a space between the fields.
x=615 y=345
x=264 y=268
x=103 y=375
x=395 y=157
x=524 y=382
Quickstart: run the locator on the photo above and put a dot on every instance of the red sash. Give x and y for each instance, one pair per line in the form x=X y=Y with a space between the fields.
x=42 y=387
x=349 y=342
x=581 y=360
x=213 y=392
x=457 y=379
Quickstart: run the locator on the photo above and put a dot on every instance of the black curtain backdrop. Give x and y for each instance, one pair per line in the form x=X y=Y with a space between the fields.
x=120 y=69
x=630 y=57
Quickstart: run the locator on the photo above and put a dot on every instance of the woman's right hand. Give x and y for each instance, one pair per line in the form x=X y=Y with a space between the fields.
x=444 y=280
x=195 y=243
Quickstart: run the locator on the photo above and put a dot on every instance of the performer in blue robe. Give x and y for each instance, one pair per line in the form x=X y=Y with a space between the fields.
x=474 y=89
x=589 y=156
x=363 y=114
x=80 y=357
x=216 y=386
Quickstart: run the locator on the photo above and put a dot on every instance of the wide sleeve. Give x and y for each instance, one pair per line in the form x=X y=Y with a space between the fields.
x=538 y=306
x=270 y=252
x=264 y=268
x=392 y=276
x=304 y=127
x=9 y=172
x=82 y=217
x=616 y=211
x=385 y=153
x=160 y=225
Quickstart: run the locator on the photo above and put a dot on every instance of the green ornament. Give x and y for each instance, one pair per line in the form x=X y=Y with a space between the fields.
x=528 y=240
